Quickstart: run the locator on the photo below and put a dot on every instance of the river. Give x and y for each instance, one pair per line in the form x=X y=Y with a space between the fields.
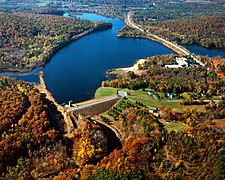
x=76 y=71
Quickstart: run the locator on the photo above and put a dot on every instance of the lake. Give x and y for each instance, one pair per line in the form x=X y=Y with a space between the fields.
x=76 y=71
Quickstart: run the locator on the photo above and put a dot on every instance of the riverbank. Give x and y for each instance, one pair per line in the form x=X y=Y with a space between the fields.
x=105 y=51
x=115 y=16
x=172 y=45
x=39 y=49
x=134 y=68
x=130 y=32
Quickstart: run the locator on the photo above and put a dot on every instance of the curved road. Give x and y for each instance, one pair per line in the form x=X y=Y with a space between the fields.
x=186 y=52
x=117 y=132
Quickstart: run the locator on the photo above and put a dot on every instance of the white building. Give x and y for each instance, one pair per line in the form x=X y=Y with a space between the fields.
x=152 y=109
x=173 y=66
x=122 y=93
x=181 y=62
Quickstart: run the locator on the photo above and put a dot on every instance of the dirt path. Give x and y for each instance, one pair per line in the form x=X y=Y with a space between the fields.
x=43 y=89
x=66 y=117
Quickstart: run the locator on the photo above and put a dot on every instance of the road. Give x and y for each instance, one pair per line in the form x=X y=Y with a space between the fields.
x=165 y=42
x=117 y=132
x=90 y=103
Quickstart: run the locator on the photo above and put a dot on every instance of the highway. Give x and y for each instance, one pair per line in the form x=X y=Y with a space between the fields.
x=169 y=44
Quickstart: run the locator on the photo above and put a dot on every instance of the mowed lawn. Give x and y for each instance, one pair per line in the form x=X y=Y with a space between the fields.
x=174 y=126
x=153 y=101
x=105 y=91
x=145 y=98
x=142 y=96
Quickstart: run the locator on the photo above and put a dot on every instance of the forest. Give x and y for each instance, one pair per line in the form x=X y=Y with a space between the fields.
x=34 y=139
x=186 y=23
x=153 y=151
x=199 y=82
x=33 y=143
x=208 y=31
x=29 y=40
x=150 y=152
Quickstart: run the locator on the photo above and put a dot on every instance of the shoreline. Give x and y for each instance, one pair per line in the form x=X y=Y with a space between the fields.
x=134 y=68
x=183 y=44
x=171 y=45
x=152 y=38
x=101 y=26
x=102 y=14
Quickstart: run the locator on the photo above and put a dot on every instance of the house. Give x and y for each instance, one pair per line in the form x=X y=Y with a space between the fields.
x=122 y=93
x=170 y=95
x=182 y=61
x=173 y=66
x=152 y=109
x=150 y=93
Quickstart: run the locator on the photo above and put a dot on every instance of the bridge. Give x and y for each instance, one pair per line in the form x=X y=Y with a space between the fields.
x=176 y=48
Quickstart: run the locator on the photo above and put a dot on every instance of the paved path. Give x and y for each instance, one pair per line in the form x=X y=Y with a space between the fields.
x=117 y=132
x=170 y=45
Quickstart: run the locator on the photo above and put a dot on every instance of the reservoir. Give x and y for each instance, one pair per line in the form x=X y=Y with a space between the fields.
x=198 y=50
x=76 y=71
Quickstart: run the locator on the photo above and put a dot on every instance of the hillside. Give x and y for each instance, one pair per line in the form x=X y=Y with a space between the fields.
x=207 y=31
x=174 y=144
x=190 y=22
x=29 y=41
x=161 y=118
x=150 y=152
x=33 y=144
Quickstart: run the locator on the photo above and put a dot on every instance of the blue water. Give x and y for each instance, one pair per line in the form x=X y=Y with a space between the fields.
x=196 y=49
x=76 y=71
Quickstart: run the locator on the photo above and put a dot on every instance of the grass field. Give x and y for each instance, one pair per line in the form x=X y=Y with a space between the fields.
x=174 y=126
x=143 y=97
x=169 y=126
x=114 y=72
x=105 y=91
x=153 y=101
